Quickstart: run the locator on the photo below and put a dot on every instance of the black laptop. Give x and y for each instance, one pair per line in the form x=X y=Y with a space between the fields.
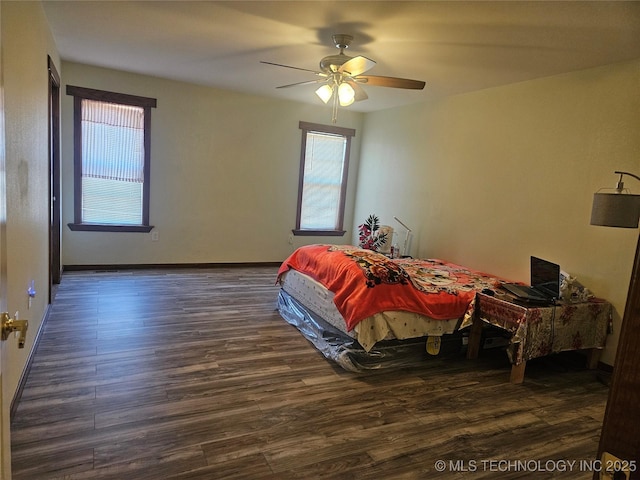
x=545 y=284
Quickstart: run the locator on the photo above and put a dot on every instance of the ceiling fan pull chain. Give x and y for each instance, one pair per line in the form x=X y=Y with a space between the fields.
x=334 y=116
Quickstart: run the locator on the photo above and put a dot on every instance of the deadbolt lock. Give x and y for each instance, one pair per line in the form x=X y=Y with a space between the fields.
x=10 y=325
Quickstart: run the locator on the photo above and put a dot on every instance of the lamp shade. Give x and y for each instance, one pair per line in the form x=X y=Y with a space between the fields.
x=346 y=94
x=325 y=92
x=615 y=210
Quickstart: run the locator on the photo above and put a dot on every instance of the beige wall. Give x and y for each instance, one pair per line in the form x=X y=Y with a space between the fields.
x=26 y=42
x=224 y=174
x=489 y=178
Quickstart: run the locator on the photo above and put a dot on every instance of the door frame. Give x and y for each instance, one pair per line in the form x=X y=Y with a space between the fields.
x=5 y=403
x=55 y=220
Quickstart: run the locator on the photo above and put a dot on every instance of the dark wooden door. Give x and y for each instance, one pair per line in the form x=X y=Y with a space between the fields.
x=621 y=427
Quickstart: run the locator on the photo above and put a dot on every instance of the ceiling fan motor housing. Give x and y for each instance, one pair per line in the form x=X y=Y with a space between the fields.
x=331 y=63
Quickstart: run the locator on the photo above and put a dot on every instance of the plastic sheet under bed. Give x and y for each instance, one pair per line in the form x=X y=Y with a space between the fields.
x=346 y=351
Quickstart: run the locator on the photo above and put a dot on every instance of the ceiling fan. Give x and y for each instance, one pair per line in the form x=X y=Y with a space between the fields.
x=342 y=75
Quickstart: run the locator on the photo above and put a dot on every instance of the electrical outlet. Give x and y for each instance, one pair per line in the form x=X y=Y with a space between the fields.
x=154 y=236
x=291 y=239
x=31 y=293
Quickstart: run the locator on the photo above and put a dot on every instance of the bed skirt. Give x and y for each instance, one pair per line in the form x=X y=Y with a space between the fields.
x=346 y=351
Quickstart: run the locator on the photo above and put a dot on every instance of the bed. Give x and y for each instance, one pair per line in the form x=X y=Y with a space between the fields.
x=364 y=310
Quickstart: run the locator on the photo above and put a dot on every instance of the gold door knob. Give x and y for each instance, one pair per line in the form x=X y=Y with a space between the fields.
x=10 y=325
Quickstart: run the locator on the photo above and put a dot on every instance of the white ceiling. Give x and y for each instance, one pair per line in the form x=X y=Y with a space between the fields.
x=454 y=46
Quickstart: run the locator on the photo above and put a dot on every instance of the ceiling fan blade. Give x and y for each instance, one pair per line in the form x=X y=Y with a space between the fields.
x=356 y=66
x=295 y=68
x=308 y=82
x=360 y=93
x=394 y=82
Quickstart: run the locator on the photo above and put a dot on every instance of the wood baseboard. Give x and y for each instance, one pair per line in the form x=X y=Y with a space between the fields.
x=27 y=367
x=604 y=373
x=150 y=266
x=605 y=367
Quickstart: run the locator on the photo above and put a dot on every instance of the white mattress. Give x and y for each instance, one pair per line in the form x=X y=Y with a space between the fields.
x=381 y=326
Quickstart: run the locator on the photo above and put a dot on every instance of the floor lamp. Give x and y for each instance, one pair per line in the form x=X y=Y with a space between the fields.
x=620 y=436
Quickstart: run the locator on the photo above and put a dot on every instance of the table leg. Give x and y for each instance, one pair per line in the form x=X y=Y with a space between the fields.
x=475 y=337
x=517 y=372
x=593 y=357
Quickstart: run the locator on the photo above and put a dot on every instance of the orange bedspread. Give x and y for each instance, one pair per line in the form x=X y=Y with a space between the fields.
x=365 y=282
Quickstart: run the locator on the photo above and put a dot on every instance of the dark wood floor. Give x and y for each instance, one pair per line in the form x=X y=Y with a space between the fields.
x=192 y=374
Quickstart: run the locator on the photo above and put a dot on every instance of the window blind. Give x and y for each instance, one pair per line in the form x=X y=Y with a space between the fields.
x=323 y=171
x=112 y=141
x=113 y=161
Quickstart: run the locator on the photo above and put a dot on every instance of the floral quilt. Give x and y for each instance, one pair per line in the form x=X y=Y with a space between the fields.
x=365 y=282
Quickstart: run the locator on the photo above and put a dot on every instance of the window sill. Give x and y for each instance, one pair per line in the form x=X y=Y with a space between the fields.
x=94 y=227
x=319 y=233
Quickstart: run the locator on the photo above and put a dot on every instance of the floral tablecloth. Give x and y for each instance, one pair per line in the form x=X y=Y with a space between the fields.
x=540 y=331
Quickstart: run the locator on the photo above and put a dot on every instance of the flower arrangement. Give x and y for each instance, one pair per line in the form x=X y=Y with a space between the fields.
x=369 y=237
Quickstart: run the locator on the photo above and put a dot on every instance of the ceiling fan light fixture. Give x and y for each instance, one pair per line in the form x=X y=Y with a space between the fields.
x=325 y=92
x=346 y=94
x=341 y=75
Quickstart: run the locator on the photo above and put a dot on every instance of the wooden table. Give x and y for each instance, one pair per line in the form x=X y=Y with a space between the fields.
x=537 y=331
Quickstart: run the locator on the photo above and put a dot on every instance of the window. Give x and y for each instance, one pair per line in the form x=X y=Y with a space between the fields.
x=324 y=164
x=111 y=160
